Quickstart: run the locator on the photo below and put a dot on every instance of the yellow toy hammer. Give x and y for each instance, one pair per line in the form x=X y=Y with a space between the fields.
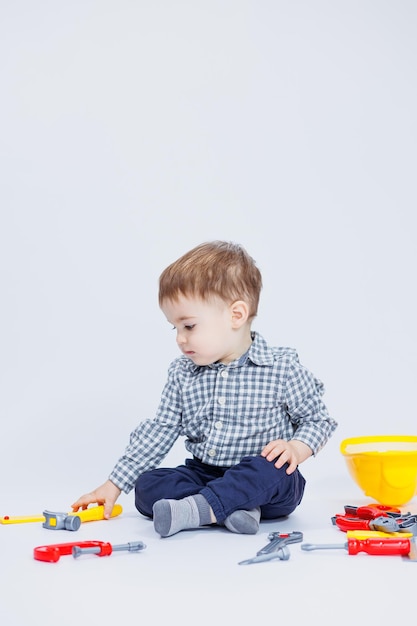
x=64 y=521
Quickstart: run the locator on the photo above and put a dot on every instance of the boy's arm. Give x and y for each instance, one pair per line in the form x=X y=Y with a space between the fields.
x=311 y=423
x=149 y=443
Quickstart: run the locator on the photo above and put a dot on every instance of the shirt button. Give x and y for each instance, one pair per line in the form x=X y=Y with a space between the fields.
x=212 y=452
x=221 y=401
x=224 y=373
x=218 y=424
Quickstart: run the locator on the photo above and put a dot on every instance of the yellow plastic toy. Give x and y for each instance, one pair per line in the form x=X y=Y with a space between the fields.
x=384 y=466
x=57 y=521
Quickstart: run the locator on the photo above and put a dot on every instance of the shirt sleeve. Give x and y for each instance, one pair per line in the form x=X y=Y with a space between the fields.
x=151 y=441
x=306 y=410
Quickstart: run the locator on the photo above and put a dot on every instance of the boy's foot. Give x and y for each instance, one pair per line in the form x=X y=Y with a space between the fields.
x=244 y=522
x=172 y=516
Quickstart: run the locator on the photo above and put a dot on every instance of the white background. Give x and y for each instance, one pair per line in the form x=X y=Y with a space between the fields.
x=131 y=132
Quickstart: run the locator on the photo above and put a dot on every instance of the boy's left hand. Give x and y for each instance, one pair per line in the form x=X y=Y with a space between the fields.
x=292 y=452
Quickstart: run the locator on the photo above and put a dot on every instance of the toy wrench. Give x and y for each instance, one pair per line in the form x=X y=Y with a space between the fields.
x=276 y=548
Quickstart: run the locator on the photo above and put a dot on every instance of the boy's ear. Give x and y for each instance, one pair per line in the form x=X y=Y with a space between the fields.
x=239 y=313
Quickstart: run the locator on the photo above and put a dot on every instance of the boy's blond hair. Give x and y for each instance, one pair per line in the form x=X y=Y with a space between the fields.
x=216 y=268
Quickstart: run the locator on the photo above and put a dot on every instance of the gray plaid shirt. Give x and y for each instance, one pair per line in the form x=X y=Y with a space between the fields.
x=226 y=412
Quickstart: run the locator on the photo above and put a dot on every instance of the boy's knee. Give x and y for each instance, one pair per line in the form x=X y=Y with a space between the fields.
x=142 y=502
x=260 y=463
x=142 y=505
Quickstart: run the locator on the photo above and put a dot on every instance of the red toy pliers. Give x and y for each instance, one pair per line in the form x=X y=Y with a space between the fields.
x=374 y=517
x=372 y=511
x=381 y=523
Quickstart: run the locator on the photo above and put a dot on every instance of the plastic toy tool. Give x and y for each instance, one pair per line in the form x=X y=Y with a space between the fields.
x=276 y=548
x=375 y=517
x=375 y=545
x=52 y=553
x=64 y=521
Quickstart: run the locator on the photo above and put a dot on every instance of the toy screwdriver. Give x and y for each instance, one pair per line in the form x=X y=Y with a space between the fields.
x=376 y=544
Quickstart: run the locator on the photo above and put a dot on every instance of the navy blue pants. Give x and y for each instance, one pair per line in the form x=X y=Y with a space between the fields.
x=254 y=482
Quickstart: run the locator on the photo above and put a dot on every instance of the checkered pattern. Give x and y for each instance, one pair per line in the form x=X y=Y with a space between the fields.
x=226 y=412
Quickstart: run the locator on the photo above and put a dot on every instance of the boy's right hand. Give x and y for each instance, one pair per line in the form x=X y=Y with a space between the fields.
x=105 y=495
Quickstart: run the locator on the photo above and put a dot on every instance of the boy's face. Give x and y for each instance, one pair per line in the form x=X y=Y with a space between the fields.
x=206 y=330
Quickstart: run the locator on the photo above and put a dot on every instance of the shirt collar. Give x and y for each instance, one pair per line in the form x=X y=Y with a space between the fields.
x=259 y=352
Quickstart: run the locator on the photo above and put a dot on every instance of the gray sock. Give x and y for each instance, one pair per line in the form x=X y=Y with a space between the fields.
x=244 y=522
x=172 y=516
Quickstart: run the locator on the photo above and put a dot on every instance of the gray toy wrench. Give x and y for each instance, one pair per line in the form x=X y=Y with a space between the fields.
x=276 y=548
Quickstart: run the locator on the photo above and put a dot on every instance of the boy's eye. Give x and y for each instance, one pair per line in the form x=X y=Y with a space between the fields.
x=186 y=326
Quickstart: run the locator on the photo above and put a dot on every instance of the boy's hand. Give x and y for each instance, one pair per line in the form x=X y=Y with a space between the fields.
x=105 y=495
x=292 y=452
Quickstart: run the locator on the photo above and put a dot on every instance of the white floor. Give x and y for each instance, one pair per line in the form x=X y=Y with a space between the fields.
x=195 y=576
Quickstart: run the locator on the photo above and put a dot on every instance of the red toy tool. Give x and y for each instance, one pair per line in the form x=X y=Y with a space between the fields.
x=375 y=517
x=384 y=524
x=52 y=553
x=372 y=511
